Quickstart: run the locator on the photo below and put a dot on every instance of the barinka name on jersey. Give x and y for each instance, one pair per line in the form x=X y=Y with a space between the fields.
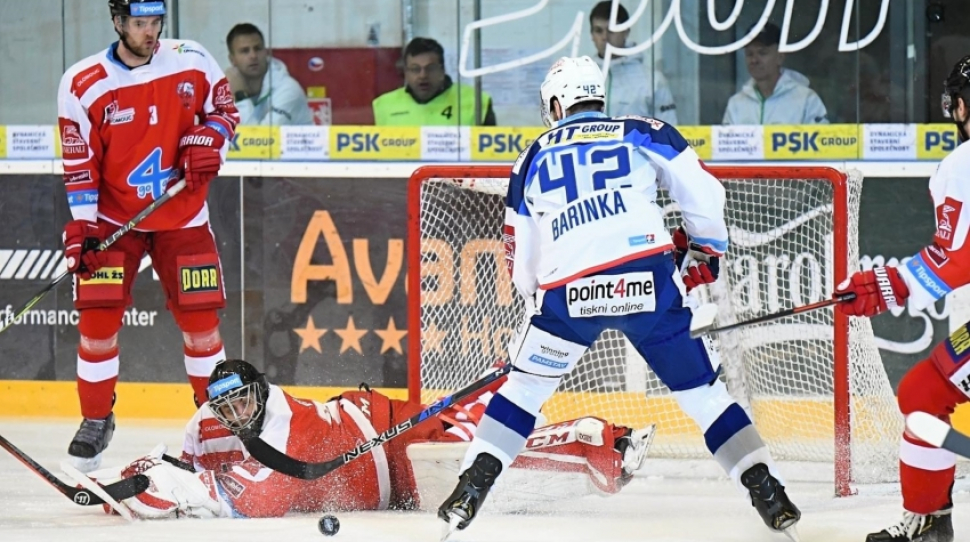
x=944 y=265
x=120 y=129
x=582 y=198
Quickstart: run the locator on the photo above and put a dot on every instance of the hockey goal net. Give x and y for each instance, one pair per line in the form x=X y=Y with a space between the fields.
x=814 y=383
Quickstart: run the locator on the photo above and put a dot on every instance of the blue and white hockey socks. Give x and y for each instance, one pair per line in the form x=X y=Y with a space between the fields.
x=728 y=431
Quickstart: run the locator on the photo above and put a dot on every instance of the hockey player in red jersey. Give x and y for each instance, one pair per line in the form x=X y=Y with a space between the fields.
x=229 y=483
x=132 y=118
x=942 y=381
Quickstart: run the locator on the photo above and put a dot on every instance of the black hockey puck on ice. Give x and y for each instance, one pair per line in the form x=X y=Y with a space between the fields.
x=329 y=525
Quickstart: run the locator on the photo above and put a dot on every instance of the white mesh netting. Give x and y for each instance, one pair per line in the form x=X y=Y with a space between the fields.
x=781 y=255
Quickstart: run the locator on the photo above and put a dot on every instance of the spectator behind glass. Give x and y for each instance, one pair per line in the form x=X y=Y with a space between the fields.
x=265 y=92
x=773 y=95
x=632 y=88
x=429 y=97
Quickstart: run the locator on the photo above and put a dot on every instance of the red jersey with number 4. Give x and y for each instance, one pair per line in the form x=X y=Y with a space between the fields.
x=120 y=129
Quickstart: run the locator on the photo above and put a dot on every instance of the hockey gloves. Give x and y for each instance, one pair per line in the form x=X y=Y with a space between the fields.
x=81 y=240
x=876 y=290
x=696 y=266
x=200 y=154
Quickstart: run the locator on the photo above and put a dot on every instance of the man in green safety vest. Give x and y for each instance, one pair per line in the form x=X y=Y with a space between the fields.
x=429 y=97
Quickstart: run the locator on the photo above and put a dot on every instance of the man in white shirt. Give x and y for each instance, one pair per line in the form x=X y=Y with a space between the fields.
x=632 y=88
x=265 y=92
x=773 y=95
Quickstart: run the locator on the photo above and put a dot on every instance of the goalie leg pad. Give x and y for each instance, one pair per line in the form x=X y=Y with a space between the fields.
x=926 y=473
x=582 y=446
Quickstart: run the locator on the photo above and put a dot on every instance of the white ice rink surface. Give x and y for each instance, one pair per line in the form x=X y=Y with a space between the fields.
x=651 y=508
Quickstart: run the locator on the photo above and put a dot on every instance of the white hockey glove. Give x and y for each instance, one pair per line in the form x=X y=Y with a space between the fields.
x=176 y=493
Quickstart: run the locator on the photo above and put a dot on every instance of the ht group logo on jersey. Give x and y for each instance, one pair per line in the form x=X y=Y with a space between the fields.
x=611 y=295
x=805 y=142
x=935 y=141
x=501 y=144
x=255 y=143
x=375 y=142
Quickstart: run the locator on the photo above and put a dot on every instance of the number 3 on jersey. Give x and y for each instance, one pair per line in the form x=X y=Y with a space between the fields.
x=576 y=185
x=149 y=177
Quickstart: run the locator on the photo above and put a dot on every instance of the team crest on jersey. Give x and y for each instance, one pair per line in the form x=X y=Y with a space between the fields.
x=186 y=92
x=222 y=94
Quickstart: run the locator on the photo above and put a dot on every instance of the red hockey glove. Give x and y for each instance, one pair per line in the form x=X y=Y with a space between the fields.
x=81 y=239
x=876 y=290
x=199 y=155
x=700 y=268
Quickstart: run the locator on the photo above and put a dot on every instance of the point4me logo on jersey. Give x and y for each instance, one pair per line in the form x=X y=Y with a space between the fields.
x=374 y=142
x=834 y=141
x=611 y=295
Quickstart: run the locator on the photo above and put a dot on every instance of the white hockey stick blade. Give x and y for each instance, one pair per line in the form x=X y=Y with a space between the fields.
x=703 y=319
x=450 y=528
x=91 y=485
x=937 y=432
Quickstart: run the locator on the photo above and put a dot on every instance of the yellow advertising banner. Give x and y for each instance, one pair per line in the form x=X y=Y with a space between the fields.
x=375 y=142
x=812 y=142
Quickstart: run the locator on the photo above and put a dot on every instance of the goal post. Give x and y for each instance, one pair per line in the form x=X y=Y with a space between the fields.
x=813 y=384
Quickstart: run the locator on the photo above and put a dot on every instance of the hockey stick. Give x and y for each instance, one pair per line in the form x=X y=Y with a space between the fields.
x=280 y=462
x=937 y=432
x=123 y=489
x=169 y=194
x=702 y=322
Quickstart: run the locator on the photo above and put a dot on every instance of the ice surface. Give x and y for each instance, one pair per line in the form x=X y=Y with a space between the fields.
x=652 y=508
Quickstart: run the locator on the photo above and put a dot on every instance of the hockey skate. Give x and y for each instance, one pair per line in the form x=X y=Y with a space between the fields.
x=90 y=441
x=770 y=500
x=460 y=508
x=633 y=448
x=935 y=527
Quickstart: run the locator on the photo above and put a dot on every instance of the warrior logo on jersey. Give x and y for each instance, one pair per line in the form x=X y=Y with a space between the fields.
x=186 y=92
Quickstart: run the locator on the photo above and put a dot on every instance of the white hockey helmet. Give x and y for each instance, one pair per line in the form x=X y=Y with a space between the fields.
x=571 y=80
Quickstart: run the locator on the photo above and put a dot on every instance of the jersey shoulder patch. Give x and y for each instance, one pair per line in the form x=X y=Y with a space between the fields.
x=654 y=123
x=86 y=78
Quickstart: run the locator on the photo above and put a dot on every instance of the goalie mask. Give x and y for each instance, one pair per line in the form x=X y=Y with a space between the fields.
x=136 y=8
x=957 y=85
x=237 y=397
x=571 y=81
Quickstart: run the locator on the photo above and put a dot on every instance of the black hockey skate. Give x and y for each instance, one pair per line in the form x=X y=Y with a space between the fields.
x=460 y=508
x=935 y=527
x=90 y=440
x=770 y=500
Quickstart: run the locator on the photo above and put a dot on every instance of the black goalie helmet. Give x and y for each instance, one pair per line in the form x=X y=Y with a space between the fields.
x=957 y=84
x=136 y=8
x=237 y=397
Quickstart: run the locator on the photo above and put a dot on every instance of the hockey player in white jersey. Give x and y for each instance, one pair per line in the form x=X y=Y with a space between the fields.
x=587 y=250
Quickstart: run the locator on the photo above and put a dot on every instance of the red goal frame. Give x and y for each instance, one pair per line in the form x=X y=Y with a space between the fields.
x=838 y=179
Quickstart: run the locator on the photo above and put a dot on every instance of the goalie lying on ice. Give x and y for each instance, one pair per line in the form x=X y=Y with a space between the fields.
x=574 y=458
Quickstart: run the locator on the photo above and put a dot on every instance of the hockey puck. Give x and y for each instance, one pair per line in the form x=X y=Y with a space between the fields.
x=329 y=525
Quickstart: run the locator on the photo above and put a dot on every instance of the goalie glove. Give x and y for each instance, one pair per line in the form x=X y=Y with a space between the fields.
x=876 y=290
x=697 y=266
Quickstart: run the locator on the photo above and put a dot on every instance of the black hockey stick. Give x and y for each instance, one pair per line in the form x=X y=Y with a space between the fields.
x=121 y=490
x=290 y=466
x=169 y=194
x=937 y=432
x=702 y=322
